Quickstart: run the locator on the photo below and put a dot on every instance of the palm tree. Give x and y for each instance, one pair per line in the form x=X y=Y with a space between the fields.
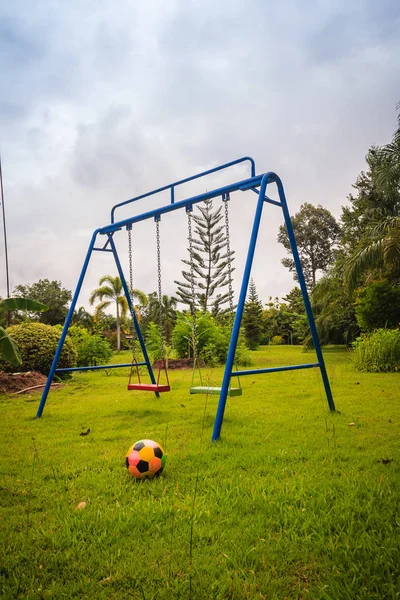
x=113 y=292
x=379 y=250
x=82 y=317
x=168 y=313
x=168 y=308
x=388 y=168
x=141 y=303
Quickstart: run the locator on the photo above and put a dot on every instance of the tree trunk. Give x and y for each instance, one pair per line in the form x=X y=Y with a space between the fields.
x=313 y=269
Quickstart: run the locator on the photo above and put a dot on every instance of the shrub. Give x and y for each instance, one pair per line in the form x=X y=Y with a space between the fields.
x=91 y=349
x=378 y=305
x=378 y=352
x=209 y=355
x=277 y=340
x=243 y=356
x=37 y=343
x=111 y=338
x=154 y=346
x=212 y=340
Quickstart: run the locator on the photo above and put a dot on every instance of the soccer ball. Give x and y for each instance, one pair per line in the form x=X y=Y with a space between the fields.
x=145 y=459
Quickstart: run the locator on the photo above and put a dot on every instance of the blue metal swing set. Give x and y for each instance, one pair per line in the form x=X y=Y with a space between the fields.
x=259 y=185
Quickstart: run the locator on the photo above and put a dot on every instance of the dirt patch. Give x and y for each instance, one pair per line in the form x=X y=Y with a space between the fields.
x=15 y=382
x=178 y=363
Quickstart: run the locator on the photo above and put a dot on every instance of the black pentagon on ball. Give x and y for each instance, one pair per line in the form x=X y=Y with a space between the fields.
x=142 y=466
x=158 y=452
x=127 y=462
x=138 y=446
x=159 y=472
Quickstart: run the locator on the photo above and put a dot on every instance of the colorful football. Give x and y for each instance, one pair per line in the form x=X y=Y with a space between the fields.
x=145 y=459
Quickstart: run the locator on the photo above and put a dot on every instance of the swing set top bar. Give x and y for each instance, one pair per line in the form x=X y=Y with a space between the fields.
x=245 y=184
x=172 y=186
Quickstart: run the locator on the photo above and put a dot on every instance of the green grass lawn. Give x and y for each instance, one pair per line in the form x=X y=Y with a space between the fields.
x=292 y=502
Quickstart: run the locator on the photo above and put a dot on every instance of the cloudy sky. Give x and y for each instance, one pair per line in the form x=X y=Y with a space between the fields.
x=102 y=101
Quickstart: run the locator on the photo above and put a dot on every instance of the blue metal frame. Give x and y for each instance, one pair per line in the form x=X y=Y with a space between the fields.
x=99 y=367
x=256 y=183
x=266 y=179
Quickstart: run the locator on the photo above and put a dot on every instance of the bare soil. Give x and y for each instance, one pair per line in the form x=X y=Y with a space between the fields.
x=178 y=363
x=15 y=382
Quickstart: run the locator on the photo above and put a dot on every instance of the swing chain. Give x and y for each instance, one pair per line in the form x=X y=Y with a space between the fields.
x=130 y=262
x=133 y=331
x=193 y=304
x=225 y=199
x=161 y=323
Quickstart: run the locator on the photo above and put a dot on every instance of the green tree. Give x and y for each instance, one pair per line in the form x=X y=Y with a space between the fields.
x=211 y=260
x=82 y=317
x=294 y=301
x=140 y=302
x=154 y=342
x=252 y=318
x=168 y=313
x=317 y=233
x=377 y=254
x=297 y=327
x=286 y=318
x=272 y=319
x=49 y=293
x=109 y=292
x=371 y=224
x=334 y=310
x=388 y=169
x=378 y=306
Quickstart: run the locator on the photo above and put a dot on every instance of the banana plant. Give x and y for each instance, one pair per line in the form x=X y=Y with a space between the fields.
x=8 y=347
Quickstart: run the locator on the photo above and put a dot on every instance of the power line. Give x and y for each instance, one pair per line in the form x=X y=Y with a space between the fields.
x=5 y=236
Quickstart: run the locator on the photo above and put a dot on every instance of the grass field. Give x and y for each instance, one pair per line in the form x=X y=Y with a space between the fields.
x=292 y=502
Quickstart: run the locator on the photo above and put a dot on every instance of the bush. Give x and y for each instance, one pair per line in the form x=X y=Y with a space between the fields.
x=111 y=338
x=277 y=340
x=91 y=349
x=155 y=348
x=37 y=343
x=243 y=356
x=209 y=355
x=378 y=352
x=212 y=340
x=378 y=306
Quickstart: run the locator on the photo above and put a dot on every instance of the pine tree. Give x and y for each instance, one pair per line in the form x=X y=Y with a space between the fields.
x=252 y=318
x=211 y=258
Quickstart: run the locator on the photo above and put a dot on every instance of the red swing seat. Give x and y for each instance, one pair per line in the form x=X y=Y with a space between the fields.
x=149 y=387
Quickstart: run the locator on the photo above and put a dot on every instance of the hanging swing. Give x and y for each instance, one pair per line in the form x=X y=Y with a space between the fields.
x=162 y=365
x=203 y=389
